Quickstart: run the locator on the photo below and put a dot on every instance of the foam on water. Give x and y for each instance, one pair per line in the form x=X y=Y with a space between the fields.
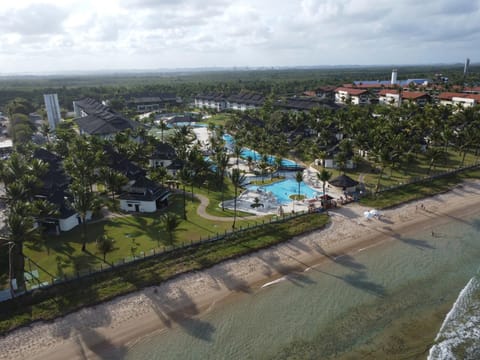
x=460 y=332
x=283 y=278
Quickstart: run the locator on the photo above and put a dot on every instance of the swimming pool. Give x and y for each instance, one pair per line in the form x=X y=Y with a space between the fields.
x=283 y=189
x=246 y=153
x=191 y=124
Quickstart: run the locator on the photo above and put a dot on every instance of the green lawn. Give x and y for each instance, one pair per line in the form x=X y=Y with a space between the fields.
x=57 y=301
x=218 y=119
x=404 y=173
x=418 y=190
x=133 y=235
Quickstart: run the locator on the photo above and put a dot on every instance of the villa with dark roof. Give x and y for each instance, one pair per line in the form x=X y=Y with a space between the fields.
x=95 y=118
x=54 y=189
x=153 y=103
x=144 y=195
x=245 y=100
x=216 y=101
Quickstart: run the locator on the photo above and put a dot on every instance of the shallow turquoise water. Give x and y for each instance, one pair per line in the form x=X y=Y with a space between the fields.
x=246 y=153
x=285 y=188
x=335 y=307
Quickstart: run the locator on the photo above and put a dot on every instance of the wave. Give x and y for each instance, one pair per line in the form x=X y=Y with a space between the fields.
x=459 y=335
x=283 y=278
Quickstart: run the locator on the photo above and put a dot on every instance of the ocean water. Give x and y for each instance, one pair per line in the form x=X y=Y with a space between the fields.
x=387 y=301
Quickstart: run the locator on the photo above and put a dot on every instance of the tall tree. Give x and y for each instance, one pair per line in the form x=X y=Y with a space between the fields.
x=237 y=179
x=84 y=201
x=171 y=223
x=299 y=179
x=324 y=176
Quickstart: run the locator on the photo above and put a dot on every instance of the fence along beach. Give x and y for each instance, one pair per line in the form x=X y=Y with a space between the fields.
x=108 y=329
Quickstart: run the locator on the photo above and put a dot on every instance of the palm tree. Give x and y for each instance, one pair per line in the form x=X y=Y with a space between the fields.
x=171 y=222
x=263 y=166
x=299 y=179
x=163 y=126
x=237 y=152
x=278 y=164
x=45 y=131
x=237 y=179
x=83 y=203
x=105 y=245
x=113 y=180
x=184 y=177
x=324 y=176
x=19 y=227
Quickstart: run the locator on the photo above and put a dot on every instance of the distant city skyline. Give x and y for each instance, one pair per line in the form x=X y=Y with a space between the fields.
x=53 y=37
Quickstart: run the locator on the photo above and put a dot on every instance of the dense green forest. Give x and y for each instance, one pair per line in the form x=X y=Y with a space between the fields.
x=187 y=84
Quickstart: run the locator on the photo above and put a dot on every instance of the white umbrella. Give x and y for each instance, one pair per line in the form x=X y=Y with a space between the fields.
x=374 y=212
x=367 y=214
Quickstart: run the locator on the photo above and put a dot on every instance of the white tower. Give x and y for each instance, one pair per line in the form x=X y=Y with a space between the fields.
x=53 y=110
x=394 y=77
x=465 y=68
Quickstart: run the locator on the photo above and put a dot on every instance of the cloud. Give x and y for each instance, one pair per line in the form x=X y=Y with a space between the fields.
x=177 y=33
x=33 y=20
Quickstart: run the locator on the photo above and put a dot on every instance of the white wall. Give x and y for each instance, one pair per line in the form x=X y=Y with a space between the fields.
x=144 y=206
x=157 y=163
x=68 y=223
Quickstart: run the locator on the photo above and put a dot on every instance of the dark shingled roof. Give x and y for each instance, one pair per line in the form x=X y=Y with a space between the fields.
x=101 y=119
x=153 y=99
x=55 y=177
x=307 y=104
x=211 y=96
x=247 y=98
x=144 y=189
x=343 y=181
x=120 y=163
x=164 y=151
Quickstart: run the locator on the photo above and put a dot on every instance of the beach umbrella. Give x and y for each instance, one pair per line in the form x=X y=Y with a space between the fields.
x=374 y=212
x=367 y=214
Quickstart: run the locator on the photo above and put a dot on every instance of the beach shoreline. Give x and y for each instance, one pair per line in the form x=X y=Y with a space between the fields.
x=108 y=329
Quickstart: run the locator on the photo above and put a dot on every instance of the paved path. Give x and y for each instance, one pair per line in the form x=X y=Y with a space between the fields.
x=202 y=211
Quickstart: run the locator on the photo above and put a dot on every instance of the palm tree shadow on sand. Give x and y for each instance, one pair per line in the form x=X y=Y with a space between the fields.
x=174 y=306
x=81 y=327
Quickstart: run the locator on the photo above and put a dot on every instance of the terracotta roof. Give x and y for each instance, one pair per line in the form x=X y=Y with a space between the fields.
x=449 y=95
x=353 y=92
x=472 y=89
x=375 y=85
x=413 y=95
x=388 y=91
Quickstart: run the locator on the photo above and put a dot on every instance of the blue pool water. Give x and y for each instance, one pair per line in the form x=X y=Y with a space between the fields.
x=246 y=153
x=283 y=189
x=192 y=124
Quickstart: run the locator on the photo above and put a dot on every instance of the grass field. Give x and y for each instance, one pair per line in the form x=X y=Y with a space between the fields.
x=133 y=235
x=57 y=301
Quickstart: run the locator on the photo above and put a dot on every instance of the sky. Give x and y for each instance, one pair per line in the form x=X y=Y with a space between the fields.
x=44 y=36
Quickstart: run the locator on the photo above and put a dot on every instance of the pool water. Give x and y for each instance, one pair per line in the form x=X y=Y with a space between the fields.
x=182 y=124
x=284 y=189
x=246 y=153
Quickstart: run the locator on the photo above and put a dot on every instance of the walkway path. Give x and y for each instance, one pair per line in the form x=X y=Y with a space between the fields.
x=202 y=211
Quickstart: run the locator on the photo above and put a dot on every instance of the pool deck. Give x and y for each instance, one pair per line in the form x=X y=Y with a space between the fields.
x=270 y=203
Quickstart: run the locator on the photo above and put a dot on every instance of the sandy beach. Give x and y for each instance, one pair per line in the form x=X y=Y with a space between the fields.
x=107 y=330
